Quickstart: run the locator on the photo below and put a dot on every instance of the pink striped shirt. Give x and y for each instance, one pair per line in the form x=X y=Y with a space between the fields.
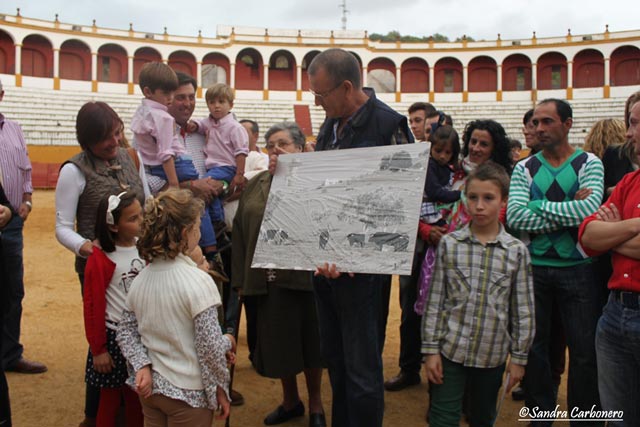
x=14 y=162
x=226 y=138
x=154 y=133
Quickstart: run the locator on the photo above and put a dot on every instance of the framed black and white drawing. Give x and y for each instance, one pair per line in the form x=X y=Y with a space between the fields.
x=358 y=209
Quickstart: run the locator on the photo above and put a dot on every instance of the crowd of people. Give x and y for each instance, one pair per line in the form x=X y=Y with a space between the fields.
x=521 y=253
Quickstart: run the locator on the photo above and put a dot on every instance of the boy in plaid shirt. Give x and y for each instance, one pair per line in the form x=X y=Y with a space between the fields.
x=480 y=307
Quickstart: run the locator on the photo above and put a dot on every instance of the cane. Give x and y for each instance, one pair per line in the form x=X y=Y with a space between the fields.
x=233 y=367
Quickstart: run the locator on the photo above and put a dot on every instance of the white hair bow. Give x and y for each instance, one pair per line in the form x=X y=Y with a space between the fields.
x=114 y=202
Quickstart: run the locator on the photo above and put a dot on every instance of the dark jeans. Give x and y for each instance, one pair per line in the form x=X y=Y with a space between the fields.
x=618 y=348
x=577 y=295
x=349 y=314
x=185 y=171
x=410 y=322
x=12 y=257
x=481 y=384
x=219 y=173
x=5 y=407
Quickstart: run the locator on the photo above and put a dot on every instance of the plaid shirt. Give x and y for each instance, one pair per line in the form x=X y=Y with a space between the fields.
x=480 y=305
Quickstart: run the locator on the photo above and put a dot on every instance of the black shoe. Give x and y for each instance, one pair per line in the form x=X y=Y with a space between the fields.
x=517 y=394
x=317 y=420
x=281 y=415
x=402 y=381
x=237 y=399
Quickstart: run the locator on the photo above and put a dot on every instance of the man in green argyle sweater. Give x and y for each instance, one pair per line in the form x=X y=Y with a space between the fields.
x=550 y=194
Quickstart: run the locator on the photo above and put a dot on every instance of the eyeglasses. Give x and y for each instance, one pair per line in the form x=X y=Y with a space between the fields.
x=281 y=143
x=327 y=93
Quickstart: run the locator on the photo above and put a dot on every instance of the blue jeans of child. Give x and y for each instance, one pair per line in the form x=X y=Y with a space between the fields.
x=578 y=297
x=349 y=315
x=618 y=349
x=219 y=173
x=185 y=172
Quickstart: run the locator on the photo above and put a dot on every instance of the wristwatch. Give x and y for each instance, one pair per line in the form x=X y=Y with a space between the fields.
x=29 y=205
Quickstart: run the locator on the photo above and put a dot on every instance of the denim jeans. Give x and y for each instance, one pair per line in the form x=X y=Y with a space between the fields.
x=577 y=294
x=5 y=406
x=183 y=165
x=185 y=172
x=410 y=322
x=219 y=173
x=12 y=243
x=618 y=349
x=349 y=314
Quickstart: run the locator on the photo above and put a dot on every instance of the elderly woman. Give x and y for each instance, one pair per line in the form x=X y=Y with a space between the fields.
x=288 y=340
x=101 y=168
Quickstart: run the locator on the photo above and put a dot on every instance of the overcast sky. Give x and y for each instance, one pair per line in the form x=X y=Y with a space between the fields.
x=481 y=19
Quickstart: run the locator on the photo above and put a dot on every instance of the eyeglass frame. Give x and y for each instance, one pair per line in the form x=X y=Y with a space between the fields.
x=327 y=93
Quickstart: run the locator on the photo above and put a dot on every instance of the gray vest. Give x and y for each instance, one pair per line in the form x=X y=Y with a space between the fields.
x=102 y=178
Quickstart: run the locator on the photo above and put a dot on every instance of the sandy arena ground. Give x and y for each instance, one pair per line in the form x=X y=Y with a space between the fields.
x=53 y=333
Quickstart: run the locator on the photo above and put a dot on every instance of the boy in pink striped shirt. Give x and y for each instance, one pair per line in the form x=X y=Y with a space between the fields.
x=227 y=144
x=156 y=139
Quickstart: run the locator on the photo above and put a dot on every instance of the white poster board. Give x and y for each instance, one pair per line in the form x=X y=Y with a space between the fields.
x=356 y=208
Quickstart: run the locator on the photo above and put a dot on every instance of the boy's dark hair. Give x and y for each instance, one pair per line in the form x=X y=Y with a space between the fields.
x=105 y=236
x=156 y=75
x=427 y=107
x=563 y=108
x=491 y=171
x=447 y=134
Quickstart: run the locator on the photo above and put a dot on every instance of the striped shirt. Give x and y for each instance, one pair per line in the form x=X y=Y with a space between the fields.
x=194 y=146
x=481 y=301
x=14 y=162
x=541 y=203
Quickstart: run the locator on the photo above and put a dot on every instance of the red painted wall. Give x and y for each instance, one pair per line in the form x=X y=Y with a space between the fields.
x=249 y=77
x=414 y=76
x=510 y=72
x=75 y=61
x=441 y=67
x=545 y=69
x=7 y=54
x=625 y=66
x=37 y=57
x=483 y=75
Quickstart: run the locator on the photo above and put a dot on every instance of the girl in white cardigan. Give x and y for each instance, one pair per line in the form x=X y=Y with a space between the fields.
x=169 y=331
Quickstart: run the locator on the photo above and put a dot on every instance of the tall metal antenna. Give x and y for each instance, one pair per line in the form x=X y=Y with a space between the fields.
x=343 y=6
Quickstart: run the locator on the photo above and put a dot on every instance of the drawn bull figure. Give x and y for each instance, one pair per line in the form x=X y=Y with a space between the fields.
x=399 y=242
x=324 y=239
x=356 y=239
x=276 y=237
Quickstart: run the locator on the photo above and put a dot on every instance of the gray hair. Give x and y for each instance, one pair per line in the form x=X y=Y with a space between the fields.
x=294 y=132
x=339 y=65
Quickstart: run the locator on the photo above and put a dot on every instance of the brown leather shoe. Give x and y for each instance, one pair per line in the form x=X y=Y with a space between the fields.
x=237 y=399
x=25 y=366
x=402 y=381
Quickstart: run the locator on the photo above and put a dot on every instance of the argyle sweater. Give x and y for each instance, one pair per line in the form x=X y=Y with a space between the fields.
x=541 y=204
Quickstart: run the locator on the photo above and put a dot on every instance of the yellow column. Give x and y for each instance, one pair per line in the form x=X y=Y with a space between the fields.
x=56 y=69
x=398 y=84
x=94 y=71
x=130 y=84
x=606 y=92
x=465 y=84
x=265 y=83
x=569 y=78
x=18 y=71
x=299 y=80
